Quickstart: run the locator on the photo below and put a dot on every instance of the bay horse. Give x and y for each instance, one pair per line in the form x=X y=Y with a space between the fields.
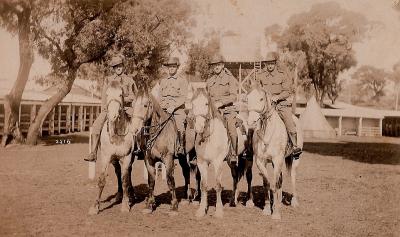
x=117 y=140
x=212 y=145
x=161 y=147
x=270 y=144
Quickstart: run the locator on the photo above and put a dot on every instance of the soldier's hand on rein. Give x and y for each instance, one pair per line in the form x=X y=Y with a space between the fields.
x=274 y=98
x=170 y=110
x=218 y=104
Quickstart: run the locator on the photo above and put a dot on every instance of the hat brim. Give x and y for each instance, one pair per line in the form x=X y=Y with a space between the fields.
x=171 y=64
x=212 y=63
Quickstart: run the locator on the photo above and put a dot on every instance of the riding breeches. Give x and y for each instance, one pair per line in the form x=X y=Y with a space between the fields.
x=231 y=125
x=99 y=123
x=180 y=117
x=285 y=112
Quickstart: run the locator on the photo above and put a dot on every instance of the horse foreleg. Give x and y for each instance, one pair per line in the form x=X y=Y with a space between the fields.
x=219 y=212
x=261 y=165
x=294 y=202
x=249 y=177
x=202 y=166
x=276 y=187
x=126 y=163
x=151 y=179
x=117 y=169
x=186 y=174
x=169 y=163
x=101 y=183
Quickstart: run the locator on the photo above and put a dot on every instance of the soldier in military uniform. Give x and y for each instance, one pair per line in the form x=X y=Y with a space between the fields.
x=223 y=89
x=173 y=93
x=128 y=90
x=277 y=81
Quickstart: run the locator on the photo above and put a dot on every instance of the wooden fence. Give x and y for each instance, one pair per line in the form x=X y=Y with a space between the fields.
x=64 y=118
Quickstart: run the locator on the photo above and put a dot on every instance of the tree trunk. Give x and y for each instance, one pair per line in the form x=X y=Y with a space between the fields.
x=13 y=99
x=47 y=106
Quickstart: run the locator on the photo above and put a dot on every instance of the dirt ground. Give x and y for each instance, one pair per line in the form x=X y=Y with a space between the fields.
x=347 y=187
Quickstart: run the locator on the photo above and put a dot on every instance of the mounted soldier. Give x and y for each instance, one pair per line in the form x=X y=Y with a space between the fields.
x=223 y=88
x=173 y=94
x=276 y=81
x=129 y=89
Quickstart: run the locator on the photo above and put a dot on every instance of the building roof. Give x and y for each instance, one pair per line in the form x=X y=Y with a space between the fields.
x=37 y=93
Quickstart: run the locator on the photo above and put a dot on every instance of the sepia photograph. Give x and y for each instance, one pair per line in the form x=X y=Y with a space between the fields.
x=200 y=118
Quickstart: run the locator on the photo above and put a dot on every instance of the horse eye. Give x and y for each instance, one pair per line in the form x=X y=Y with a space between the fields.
x=262 y=99
x=206 y=104
x=145 y=106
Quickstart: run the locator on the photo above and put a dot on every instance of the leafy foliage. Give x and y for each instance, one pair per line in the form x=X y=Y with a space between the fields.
x=372 y=81
x=325 y=35
x=199 y=55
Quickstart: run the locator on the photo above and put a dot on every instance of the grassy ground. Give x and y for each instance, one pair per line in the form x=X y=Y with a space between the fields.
x=347 y=187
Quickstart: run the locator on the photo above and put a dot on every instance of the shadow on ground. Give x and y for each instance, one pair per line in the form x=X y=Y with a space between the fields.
x=372 y=153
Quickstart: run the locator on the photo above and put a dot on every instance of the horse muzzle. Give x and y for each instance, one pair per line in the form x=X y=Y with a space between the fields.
x=253 y=119
x=199 y=124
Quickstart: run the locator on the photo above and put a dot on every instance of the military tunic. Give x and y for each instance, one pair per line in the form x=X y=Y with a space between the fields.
x=223 y=88
x=173 y=93
x=128 y=91
x=279 y=84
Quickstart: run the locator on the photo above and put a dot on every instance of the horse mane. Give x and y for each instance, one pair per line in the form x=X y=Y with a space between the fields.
x=156 y=106
x=214 y=110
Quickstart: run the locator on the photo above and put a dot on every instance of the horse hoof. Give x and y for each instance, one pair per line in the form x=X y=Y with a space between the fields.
x=184 y=202
x=147 y=211
x=93 y=211
x=118 y=198
x=219 y=213
x=200 y=213
x=250 y=204
x=266 y=212
x=294 y=203
x=276 y=216
x=196 y=203
x=125 y=208
x=232 y=204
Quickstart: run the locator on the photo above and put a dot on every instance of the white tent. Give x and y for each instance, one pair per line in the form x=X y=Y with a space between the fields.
x=313 y=122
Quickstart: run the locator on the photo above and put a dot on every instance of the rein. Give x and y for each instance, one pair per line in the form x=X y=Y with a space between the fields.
x=159 y=128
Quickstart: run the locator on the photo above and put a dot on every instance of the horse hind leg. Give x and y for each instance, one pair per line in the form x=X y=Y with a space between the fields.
x=235 y=192
x=202 y=166
x=186 y=174
x=118 y=174
x=249 y=177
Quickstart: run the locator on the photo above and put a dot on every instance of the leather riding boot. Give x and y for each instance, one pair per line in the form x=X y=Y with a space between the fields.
x=293 y=138
x=95 y=145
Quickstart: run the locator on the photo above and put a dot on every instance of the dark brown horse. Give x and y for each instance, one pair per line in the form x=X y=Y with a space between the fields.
x=161 y=147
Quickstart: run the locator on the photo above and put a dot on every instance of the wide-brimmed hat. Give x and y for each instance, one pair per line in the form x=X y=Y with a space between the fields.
x=217 y=58
x=173 y=61
x=116 y=60
x=271 y=57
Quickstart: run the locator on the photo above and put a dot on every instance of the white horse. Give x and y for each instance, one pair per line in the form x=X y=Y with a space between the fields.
x=118 y=140
x=212 y=145
x=270 y=143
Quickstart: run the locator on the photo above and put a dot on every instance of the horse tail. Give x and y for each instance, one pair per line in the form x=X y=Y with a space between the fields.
x=289 y=163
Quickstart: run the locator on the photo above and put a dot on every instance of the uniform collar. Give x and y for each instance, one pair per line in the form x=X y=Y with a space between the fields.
x=273 y=73
x=173 y=77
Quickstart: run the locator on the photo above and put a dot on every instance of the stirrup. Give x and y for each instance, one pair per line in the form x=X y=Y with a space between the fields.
x=91 y=157
x=296 y=151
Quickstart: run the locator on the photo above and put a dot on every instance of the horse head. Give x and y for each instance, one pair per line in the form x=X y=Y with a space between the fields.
x=258 y=104
x=201 y=106
x=142 y=110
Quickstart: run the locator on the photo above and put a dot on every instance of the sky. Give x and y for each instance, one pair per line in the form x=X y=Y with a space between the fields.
x=249 y=18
